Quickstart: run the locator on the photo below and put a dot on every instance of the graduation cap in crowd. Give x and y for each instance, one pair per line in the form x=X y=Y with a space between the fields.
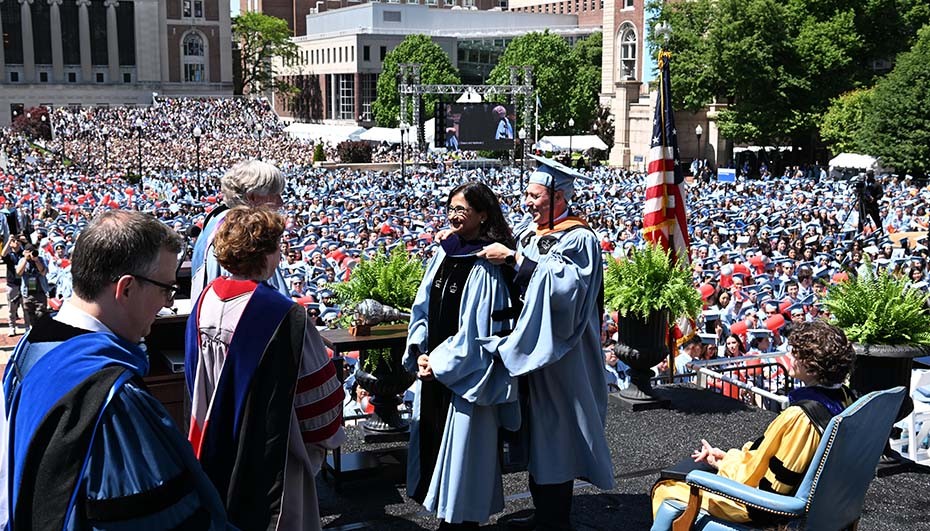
x=795 y=309
x=708 y=339
x=746 y=311
x=711 y=315
x=758 y=333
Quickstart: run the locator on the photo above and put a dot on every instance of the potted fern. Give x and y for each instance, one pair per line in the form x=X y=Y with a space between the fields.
x=389 y=278
x=889 y=325
x=647 y=290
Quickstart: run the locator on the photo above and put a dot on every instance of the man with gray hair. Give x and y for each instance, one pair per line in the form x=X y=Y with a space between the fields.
x=504 y=127
x=88 y=445
x=248 y=183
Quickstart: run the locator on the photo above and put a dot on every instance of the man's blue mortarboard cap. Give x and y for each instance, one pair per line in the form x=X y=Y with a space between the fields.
x=557 y=175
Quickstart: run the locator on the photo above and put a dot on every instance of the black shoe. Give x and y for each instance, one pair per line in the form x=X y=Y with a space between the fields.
x=522 y=524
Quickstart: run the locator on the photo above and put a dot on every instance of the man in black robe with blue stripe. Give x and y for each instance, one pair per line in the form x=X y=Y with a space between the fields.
x=90 y=446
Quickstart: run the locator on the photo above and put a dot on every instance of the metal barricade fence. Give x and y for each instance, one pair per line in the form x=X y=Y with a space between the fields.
x=756 y=379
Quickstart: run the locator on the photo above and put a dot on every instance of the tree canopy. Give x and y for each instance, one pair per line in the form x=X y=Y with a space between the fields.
x=780 y=63
x=34 y=123
x=897 y=123
x=261 y=37
x=843 y=122
x=567 y=80
x=436 y=68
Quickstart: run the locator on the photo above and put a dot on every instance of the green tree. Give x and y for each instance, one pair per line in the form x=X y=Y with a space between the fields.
x=435 y=68
x=584 y=98
x=842 y=125
x=318 y=154
x=555 y=67
x=590 y=49
x=261 y=37
x=897 y=124
x=695 y=82
x=34 y=123
x=780 y=63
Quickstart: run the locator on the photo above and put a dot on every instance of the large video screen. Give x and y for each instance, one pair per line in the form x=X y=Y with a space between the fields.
x=473 y=126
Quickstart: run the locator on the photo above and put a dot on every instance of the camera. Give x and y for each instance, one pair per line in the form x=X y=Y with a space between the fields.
x=857 y=183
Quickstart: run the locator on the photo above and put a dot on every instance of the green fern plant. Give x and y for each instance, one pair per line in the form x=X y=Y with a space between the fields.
x=391 y=278
x=648 y=281
x=880 y=309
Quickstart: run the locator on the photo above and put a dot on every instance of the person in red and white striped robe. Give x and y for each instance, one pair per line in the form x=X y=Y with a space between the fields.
x=266 y=402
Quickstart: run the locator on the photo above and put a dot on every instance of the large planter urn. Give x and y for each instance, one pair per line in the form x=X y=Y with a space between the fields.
x=385 y=386
x=641 y=346
x=879 y=367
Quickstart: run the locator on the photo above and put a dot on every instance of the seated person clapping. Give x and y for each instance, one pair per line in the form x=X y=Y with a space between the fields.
x=821 y=357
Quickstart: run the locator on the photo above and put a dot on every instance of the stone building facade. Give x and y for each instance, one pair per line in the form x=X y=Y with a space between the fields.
x=111 y=52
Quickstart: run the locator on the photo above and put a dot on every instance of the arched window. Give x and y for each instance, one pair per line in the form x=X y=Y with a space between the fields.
x=627 y=42
x=193 y=58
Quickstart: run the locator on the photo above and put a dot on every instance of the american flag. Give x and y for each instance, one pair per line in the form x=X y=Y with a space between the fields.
x=664 y=220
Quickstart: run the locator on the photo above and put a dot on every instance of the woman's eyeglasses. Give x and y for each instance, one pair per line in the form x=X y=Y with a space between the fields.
x=457 y=210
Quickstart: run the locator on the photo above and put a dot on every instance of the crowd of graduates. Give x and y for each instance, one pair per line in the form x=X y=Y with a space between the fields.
x=760 y=248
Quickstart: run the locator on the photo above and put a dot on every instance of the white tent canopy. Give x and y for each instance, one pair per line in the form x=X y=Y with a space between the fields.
x=381 y=134
x=391 y=135
x=326 y=132
x=577 y=143
x=854 y=161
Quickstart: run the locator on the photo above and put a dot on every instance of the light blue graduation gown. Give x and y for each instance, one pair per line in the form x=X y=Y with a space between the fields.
x=557 y=343
x=466 y=482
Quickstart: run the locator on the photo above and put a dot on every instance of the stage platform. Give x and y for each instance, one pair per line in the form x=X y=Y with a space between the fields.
x=641 y=444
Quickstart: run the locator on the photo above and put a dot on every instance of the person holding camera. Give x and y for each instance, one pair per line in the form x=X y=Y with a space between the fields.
x=869 y=195
x=11 y=255
x=33 y=284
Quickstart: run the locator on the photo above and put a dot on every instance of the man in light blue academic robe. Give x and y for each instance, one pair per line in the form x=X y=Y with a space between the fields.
x=555 y=344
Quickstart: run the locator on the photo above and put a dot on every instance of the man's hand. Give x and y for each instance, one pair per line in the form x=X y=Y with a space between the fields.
x=708 y=454
x=425 y=372
x=496 y=253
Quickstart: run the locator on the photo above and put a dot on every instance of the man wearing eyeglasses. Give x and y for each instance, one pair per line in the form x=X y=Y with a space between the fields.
x=88 y=442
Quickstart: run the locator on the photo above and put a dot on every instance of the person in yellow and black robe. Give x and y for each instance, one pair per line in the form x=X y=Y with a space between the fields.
x=821 y=357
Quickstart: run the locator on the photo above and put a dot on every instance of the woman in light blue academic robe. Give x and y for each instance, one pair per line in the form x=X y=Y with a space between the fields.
x=455 y=303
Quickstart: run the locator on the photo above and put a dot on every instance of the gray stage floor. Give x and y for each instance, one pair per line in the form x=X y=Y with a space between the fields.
x=641 y=444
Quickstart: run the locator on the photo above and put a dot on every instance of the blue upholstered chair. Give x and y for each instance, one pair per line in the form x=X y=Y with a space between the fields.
x=833 y=490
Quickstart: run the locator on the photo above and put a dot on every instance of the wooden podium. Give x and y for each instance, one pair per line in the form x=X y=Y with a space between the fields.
x=165 y=346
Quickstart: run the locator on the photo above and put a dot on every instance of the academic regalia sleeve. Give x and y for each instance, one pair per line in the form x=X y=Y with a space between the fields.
x=558 y=299
x=459 y=362
x=778 y=461
x=142 y=473
x=318 y=399
x=417 y=331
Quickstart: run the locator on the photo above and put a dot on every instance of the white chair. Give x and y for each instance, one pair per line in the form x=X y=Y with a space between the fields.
x=916 y=451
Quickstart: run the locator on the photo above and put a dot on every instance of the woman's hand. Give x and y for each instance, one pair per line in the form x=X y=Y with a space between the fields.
x=708 y=454
x=425 y=372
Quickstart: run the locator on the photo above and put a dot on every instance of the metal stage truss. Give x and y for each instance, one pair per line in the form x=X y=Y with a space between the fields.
x=411 y=91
